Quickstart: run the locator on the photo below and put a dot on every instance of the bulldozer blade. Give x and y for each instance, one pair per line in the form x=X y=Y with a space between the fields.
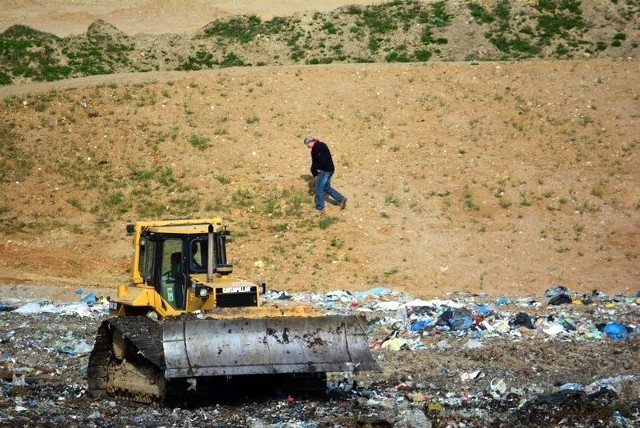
x=244 y=346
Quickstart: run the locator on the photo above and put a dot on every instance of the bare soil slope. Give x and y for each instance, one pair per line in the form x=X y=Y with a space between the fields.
x=499 y=178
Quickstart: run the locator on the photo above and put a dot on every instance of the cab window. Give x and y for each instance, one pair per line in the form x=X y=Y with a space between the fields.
x=198 y=255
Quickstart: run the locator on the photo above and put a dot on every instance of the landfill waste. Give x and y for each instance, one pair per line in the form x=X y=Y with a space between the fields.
x=523 y=319
x=497 y=388
x=616 y=330
x=465 y=360
x=556 y=290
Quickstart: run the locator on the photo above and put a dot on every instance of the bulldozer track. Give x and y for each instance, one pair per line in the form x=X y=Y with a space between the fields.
x=127 y=361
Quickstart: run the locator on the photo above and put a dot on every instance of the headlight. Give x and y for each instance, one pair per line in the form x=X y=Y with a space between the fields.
x=202 y=291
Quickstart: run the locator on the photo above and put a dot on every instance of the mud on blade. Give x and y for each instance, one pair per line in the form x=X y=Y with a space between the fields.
x=244 y=346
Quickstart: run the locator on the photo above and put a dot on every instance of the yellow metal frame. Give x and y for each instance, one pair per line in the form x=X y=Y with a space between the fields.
x=194 y=226
x=136 y=294
x=146 y=296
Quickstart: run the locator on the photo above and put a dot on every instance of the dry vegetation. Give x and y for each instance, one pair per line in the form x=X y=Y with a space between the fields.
x=398 y=31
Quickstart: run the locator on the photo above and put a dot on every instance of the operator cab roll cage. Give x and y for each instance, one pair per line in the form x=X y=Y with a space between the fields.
x=167 y=260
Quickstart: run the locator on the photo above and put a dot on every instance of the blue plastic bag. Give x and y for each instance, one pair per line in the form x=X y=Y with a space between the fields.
x=616 y=331
x=420 y=325
x=460 y=323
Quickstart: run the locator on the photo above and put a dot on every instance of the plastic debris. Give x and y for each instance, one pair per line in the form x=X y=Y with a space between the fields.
x=89 y=298
x=402 y=332
x=474 y=344
x=465 y=377
x=523 y=319
x=462 y=322
x=560 y=299
x=556 y=290
x=501 y=301
x=619 y=419
x=497 y=388
x=82 y=309
x=616 y=331
x=394 y=344
x=553 y=329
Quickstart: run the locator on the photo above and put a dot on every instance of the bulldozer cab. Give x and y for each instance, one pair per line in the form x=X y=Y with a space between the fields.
x=172 y=258
x=181 y=266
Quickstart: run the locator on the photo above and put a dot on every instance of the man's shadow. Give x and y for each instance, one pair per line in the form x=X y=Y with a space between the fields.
x=311 y=183
x=311 y=188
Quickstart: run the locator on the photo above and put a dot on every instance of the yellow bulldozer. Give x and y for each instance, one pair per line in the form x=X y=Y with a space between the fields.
x=184 y=331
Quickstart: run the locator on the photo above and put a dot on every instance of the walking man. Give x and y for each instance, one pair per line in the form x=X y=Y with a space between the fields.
x=322 y=169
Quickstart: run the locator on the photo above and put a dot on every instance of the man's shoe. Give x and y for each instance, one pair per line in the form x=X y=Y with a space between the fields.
x=343 y=203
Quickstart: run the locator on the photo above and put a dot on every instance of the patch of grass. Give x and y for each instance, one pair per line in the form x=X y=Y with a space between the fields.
x=243 y=28
x=329 y=28
x=504 y=203
x=325 y=221
x=468 y=203
x=162 y=175
x=392 y=199
x=397 y=56
x=295 y=200
x=184 y=205
x=557 y=17
x=117 y=201
x=585 y=120
x=143 y=175
x=618 y=38
x=75 y=202
x=5 y=79
x=252 y=119
x=242 y=198
x=391 y=271
x=279 y=228
x=151 y=210
x=270 y=206
x=15 y=163
x=200 y=142
x=198 y=61
x=479 y=13
x=597 y=190
x=378 y=20
x=217 y=205
x=422 y=55
x=441 y=18
x=232 y=60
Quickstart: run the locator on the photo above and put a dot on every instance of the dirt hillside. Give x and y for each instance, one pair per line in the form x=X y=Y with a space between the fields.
x=64 y=18
x=491 y=177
